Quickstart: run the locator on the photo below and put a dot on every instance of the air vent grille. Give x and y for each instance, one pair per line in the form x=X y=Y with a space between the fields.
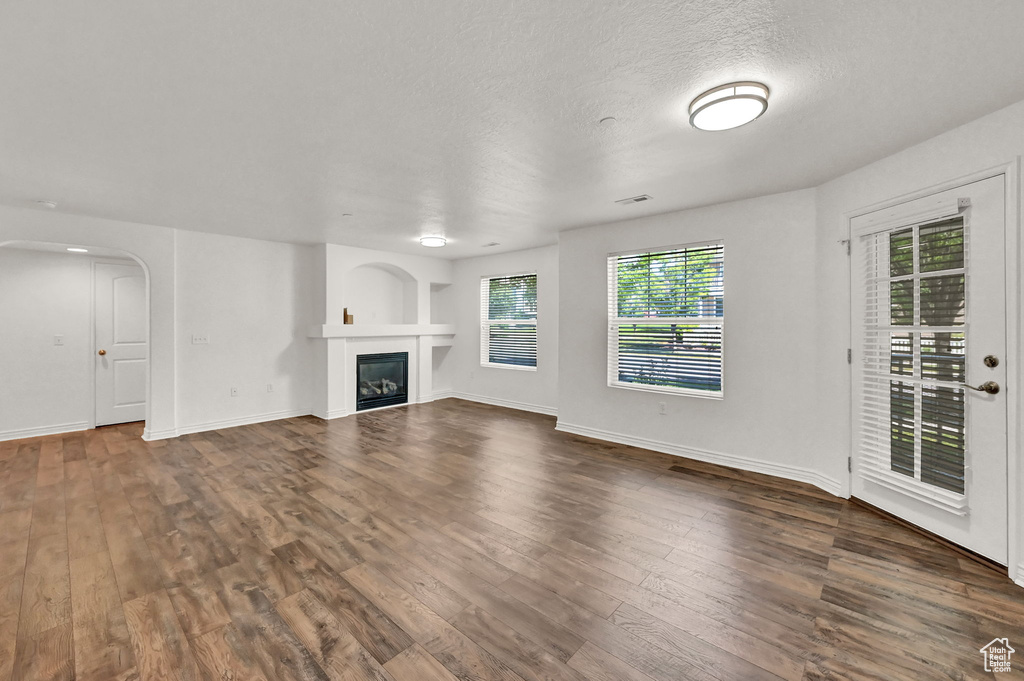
x=633 y=199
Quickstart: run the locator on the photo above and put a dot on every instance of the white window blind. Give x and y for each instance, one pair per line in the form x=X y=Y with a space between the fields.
x=665 y=313
x=508 y=314
x=913 y=346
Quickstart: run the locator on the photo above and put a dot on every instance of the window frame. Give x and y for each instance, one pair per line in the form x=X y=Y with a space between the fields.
x=869 y=276
x=486 y=322
x=614 y=322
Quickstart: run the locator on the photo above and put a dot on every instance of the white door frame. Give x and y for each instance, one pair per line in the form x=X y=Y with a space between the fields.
x=1015 y=376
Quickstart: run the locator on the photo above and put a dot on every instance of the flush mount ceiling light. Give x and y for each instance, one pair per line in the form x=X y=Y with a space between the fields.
x=729 y=106
x=79 y=250
x=433 y=241
x=46 y=203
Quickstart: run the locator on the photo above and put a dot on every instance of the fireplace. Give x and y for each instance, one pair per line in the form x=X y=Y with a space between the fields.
x=382 y=380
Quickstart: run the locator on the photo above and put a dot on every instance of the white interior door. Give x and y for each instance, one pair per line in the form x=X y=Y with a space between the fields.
x=122 y=345
x=929 y=291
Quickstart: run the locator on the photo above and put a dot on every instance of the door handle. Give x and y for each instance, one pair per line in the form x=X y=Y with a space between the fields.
x=990 y=387
x=102 y=352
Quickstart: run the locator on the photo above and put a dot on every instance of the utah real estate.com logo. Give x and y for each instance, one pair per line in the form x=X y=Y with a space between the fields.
x=997 y=655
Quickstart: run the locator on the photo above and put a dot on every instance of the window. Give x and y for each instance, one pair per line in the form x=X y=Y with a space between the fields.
x=508 y=316
x=913 y=413
x=665 y=316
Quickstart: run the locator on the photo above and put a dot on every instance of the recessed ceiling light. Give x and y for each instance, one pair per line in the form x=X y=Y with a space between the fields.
x=433 y=241
x=729 y=106
x=607 y=121
x=46 y=204
x=346 y=215
x=490 y=244
x=78 y=250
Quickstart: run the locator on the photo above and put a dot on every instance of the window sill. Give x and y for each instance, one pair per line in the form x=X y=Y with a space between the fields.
x=684 y=392
x=513 y=367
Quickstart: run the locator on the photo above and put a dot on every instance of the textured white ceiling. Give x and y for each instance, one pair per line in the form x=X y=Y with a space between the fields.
x=472 y=118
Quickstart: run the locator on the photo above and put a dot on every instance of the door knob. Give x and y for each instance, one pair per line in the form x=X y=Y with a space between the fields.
x=990 y=387
x=102 y=352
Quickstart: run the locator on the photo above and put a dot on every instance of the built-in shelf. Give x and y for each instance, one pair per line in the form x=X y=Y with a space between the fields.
x=380 y=330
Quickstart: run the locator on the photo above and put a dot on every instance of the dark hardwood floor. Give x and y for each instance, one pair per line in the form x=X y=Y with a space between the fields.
x=460 y=541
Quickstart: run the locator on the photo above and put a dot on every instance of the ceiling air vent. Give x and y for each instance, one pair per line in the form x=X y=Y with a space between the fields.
x=633 y=199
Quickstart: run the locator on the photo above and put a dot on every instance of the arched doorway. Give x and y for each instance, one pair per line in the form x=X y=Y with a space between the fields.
x=76 y=334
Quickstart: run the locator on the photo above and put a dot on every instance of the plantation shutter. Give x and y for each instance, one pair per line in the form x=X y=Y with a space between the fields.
x=666 y=312
x=508 y=313
x=910 y=283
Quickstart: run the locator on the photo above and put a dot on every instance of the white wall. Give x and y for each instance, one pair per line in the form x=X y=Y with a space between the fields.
x=252 y=299
x=533 y=390
x=769 y=336
x=46 y=388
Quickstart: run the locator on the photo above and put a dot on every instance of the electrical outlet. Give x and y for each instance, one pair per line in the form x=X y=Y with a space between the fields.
x=58 y=340
x=234 y=392
x=662 y=408
x=270 y=387
x=200 y=339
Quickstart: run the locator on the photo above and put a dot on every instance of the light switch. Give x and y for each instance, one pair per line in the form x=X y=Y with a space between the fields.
x=200 y=339
x=58 y=340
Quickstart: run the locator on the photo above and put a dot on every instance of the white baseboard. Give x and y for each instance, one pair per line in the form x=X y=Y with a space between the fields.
x=45 y=430
x=150 y=435
x=498 y=402
x=754 y=465
x=439 y=395
x=330 y=414
x=227 y=423
x=1019 y=577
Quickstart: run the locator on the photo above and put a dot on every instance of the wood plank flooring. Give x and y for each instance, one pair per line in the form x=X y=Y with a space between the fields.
x=460 y=541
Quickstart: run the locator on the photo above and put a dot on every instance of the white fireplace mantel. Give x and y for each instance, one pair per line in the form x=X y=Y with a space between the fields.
x=396 y=291
x=379 y=330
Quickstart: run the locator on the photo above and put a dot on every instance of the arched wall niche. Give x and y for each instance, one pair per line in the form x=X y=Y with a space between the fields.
x=380 y=293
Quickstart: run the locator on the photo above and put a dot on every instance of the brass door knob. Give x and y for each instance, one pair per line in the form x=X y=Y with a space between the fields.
x=102 y=352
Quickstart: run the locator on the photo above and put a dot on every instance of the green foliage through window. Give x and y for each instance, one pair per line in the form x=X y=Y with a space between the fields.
x=666 y=313
x=509 y=320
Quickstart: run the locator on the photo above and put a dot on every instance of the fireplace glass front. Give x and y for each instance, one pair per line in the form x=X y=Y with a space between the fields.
x=381 y=380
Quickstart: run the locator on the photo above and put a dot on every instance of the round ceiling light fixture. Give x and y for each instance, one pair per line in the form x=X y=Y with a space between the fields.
x=433 y=241
x=729 y=106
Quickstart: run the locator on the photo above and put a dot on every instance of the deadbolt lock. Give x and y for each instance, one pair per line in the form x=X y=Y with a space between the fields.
x=991 y=361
